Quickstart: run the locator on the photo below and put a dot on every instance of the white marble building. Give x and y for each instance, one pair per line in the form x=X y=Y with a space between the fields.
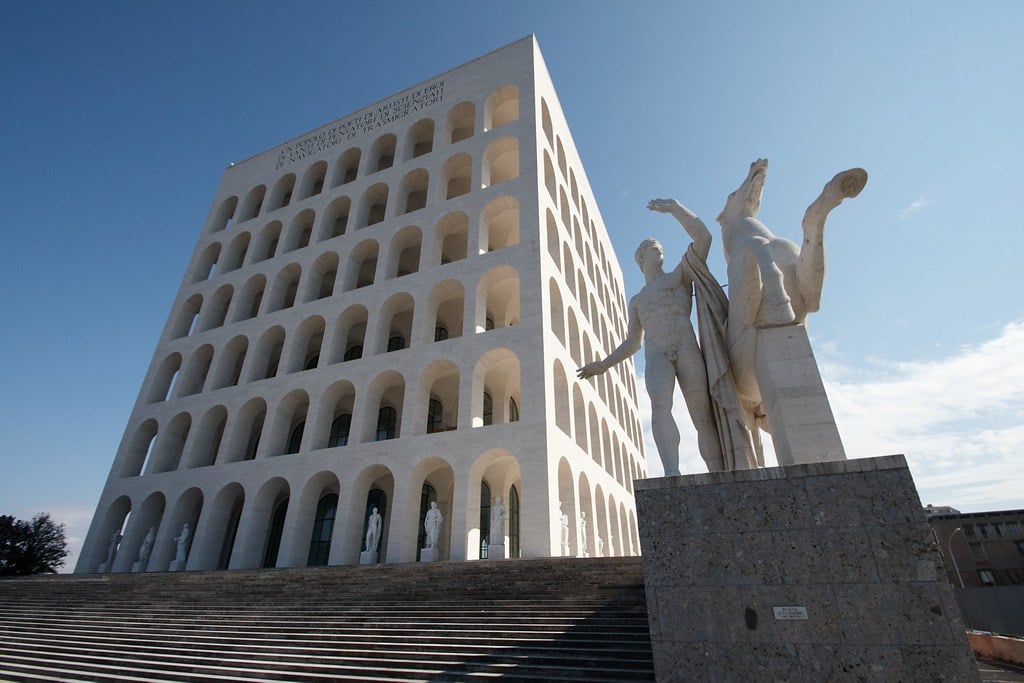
x=388 y=311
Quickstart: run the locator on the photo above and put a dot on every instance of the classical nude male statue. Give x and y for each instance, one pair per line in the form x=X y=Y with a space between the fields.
x=497 y=527
x=373 y=531
x=661 y=312
x=182 y=540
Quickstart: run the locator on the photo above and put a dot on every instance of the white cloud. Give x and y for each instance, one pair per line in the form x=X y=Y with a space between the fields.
x=915 y=207
x=958 y=420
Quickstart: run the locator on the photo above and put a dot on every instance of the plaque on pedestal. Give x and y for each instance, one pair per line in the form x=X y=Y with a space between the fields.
x=368 y=557
x=426 y=554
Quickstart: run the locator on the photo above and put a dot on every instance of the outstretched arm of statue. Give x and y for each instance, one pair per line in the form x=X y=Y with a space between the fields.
x=694 y=226
x=634 y=339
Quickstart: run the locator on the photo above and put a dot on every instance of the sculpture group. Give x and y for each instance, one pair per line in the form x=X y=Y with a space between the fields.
x=772 y=283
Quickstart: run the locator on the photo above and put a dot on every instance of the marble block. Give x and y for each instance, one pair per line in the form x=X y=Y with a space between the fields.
x=427 y=554
x=177 y=566
x=368 y=557
x=803 y=427
x=497 y=552
x=811 y=572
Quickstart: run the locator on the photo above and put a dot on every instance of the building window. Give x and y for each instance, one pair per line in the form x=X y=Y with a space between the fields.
x=485 y=518
x=274 y=535
x=440 y=333
x=396 y=344
x=1012 y=529
x=968 y=530
x=488 y=410
x=513 y=522
x=387 y=420
x=513 y=410
x=312 y=362
x=1020 y=546
x=340 y=429
x=323 y=528
x=987 y=577
x=435 y=416
x=488 y=324
x=983 y=530
x=354 y=352
x=977 y=551
x=295 y=438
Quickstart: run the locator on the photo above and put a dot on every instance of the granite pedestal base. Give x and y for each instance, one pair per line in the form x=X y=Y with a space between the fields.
x=823 y=571
x=368 y=557
x=426 y=554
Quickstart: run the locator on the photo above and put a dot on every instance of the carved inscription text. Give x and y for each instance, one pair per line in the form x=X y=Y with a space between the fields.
x=393 y=110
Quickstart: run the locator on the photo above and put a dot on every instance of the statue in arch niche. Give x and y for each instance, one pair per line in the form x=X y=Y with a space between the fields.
x=726 y=371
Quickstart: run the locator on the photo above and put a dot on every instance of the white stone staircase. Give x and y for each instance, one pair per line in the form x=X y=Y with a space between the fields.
x=556 y=619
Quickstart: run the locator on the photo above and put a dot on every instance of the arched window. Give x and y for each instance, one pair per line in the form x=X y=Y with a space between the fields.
x=513 y=410
x=488 y=409
x=387 y=423
x=427 y=496
x=353 y=352
x=295 y=438
x=485 y=519
x=340 y=429
x=435 y=416
x=396 y=343
x=323 y=528
x=274 y=534
x=513 y=522
x=440 y=333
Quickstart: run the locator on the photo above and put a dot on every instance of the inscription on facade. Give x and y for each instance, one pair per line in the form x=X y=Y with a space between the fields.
x=390 y=111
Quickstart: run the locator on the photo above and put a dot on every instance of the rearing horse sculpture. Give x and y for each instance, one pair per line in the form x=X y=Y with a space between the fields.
x=772 y=281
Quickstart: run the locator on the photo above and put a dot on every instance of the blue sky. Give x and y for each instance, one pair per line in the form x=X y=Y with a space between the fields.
x=117 y=120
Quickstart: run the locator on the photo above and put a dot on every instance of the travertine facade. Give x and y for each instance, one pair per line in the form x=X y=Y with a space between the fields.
x=387 y=312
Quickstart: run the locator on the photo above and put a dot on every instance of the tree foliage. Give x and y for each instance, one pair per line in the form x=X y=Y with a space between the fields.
x=34 y=547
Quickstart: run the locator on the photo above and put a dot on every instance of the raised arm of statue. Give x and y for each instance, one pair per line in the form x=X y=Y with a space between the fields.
x=694 y=226
x=632 y=343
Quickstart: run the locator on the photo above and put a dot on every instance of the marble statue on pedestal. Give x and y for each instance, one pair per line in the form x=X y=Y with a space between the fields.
x=497 y=529
x=564 y=520
x=181 y=554
x=598 y=545
x=583 y=535
x=115 y=541
x=773 y=284
x=432 y=525
x=373 y=532
x=145 y=550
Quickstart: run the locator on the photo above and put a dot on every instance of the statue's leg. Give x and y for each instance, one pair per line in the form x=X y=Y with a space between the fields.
x=775 y=305
x=693 y=380
x=659 y=378
x=810 y=268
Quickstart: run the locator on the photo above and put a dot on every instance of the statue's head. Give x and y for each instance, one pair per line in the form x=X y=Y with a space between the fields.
x=745 y=202
x=649 y=248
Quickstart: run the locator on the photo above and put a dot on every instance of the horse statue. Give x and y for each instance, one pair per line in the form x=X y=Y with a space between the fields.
x=772 y=281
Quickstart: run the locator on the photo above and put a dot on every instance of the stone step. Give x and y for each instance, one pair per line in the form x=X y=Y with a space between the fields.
x=627 y=655
x=553 y=620
x=189 y=666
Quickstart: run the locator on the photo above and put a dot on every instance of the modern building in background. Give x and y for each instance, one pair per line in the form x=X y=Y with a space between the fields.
x=980 y=548
x=388 y=312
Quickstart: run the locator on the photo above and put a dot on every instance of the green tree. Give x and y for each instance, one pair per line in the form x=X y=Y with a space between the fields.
x=34 y=547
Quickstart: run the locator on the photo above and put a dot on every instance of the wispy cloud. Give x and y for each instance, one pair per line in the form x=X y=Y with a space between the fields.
x=959 y=420
x=915 y=207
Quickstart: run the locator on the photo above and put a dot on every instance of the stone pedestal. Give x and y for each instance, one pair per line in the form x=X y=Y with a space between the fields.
x=815 y=572
x=565 y=550
x=368 y=557
x=803 y=428
x=497 y=552
x=427 y=554
x=177 y=566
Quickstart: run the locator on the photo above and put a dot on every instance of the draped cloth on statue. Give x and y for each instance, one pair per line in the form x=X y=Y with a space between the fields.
x=740 y=439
